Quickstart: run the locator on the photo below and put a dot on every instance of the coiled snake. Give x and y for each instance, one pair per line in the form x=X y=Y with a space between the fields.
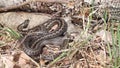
x=32 y=44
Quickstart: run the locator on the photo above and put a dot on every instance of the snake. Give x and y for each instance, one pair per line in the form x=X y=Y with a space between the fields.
x=32 y=44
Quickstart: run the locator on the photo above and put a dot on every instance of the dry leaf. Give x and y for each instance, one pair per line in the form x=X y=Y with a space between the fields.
x=105 y=36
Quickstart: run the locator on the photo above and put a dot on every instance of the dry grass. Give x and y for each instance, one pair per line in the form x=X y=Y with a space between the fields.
x=88 y=50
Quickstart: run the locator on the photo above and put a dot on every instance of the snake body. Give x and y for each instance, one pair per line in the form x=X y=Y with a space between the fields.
x=33 y=41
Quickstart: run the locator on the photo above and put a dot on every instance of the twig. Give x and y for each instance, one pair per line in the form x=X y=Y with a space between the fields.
x=38 y=66
x=57 y=59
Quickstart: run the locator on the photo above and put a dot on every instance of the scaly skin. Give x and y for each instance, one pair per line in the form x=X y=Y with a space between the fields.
x=114 y=13
x=113 y=7
x=38 y=37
